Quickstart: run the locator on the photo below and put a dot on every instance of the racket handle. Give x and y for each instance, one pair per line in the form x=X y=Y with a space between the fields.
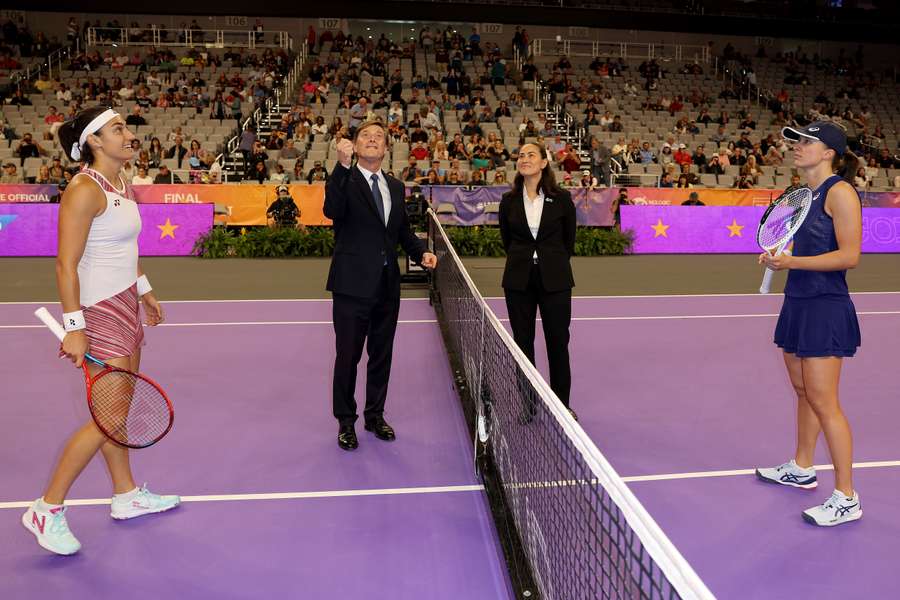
x=52 y=324
x=767 y=278
x=767 y=281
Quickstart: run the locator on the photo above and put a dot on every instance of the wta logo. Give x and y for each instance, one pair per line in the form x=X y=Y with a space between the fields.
x=5 y=220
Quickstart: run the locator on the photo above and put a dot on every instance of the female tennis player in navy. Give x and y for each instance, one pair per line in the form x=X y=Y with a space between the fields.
x=817 y=327
x=537 y=224
x=100 y=285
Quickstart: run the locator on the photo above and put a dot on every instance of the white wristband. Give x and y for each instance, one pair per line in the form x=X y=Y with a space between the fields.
x=143 y=285
x=73 y=321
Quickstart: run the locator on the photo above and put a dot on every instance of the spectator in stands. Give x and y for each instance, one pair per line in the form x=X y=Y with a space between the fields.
x=411 y=172
x=440 y=151
x=10 y=174
x=56 y=170
x=165 y=175
x=616 y=125
x=699 y=158
x=646 y=154
x=472 y=128
x=289 y=151
x=687 y=173
x=682 y=181
x=750 y=170
x=587 y=180
x=136 y=119
x=43 y=176
x=126 y=92
x=743 y=183
x=52 y=120
x=666 y=181
x=20 y=99
x=665 y=157
x=681 y=155
x=279 y=176
x=141 y=178
x=477 y=179
x=28 y=148
x=63 y=94
x=359 y=113
x=571 y=162
x=317 y=174
x=773 y=157
x=177 y=151
x=260 y=172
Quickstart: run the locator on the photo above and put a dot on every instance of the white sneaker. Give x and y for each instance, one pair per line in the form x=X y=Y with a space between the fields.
x=789 y=474
x=51 y=529
x=141 y=501
x=836 y=510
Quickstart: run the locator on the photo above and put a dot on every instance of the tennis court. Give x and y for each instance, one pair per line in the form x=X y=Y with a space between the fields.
x=683 y=395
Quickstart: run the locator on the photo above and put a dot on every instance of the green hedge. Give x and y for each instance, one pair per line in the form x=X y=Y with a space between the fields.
x=267 y=242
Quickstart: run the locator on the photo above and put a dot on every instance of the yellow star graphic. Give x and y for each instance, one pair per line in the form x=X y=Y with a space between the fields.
x=734 y=230
x=660 y=229
x=168 y=229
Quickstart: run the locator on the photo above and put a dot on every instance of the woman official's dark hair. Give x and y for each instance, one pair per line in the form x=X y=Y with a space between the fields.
x=548 y=183
x=846 y=166
x=70 y=131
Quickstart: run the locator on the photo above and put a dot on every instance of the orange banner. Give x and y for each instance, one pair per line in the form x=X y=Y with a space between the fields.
x=244 y=204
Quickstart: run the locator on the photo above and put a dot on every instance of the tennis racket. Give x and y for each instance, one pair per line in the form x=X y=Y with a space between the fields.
x=130 y=409
x=779 y=224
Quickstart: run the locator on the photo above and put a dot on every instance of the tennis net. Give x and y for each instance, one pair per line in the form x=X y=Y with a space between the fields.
x=570 y=527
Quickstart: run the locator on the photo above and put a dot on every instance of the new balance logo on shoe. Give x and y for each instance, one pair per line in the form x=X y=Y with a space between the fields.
x=39 y=523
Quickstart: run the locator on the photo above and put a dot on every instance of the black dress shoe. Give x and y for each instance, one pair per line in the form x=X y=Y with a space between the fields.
x=381 y=429
x=347 y=438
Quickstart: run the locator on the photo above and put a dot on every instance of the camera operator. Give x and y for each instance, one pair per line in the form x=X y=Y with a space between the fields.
x=283 y=211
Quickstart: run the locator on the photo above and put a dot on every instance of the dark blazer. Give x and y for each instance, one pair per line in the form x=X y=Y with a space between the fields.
x=555 y=242
x=362 y=242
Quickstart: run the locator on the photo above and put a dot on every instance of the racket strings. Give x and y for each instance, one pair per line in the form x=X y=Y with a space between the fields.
x=783 y=218
x=131 y=410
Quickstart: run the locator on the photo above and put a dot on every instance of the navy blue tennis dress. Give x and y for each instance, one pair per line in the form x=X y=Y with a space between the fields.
x=818 y=317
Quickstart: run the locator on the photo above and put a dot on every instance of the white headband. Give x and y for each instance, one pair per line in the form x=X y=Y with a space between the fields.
x=92 y=127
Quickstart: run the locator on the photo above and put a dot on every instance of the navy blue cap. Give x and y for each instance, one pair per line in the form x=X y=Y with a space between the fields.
x=826 y=132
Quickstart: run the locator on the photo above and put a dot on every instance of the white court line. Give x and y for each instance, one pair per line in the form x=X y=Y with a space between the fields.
x=281 y=495
x=214 y=301
x=707 y=474
x=419 y=321
x=437 y=489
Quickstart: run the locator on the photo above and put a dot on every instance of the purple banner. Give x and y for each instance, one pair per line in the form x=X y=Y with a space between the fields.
x=472 y=205
x=731 y=229
x=27 y=192
x=168 y=229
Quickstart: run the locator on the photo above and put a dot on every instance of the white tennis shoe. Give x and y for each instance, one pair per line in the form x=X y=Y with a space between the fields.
x=50 y=528
x=141 y=501
x=789 y=474
x=834 y=511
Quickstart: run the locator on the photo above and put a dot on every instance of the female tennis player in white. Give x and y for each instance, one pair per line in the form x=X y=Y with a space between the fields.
x=100 y=286
x=817 y=327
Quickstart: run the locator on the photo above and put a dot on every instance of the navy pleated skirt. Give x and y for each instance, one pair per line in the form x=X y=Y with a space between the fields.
x=818 y=326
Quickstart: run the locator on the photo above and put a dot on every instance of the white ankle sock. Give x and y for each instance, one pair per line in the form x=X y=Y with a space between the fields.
x=44 y=506
x=126 y=495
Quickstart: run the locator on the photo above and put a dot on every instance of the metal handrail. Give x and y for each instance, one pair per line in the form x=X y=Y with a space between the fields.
x=624 y=50
x=208 y=38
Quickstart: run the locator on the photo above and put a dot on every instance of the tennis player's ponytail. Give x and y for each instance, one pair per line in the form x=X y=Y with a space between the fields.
x=846 y=166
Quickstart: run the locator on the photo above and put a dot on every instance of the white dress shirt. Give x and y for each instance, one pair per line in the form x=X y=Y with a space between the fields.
x=534 y=208
x=383 y=186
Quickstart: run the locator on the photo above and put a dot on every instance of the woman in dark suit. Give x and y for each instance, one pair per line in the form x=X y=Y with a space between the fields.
x=537 y=223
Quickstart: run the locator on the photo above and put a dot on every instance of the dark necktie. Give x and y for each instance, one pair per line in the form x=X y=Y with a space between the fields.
x=376 y=193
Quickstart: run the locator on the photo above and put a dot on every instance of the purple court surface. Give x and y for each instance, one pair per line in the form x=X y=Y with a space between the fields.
x=685 y=395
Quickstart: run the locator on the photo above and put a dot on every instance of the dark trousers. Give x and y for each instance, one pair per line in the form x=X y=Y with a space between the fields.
x=556 y=314
x=355 y=320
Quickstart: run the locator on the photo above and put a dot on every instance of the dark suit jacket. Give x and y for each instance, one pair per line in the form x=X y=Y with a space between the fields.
x=555 y=242
x=362 y=242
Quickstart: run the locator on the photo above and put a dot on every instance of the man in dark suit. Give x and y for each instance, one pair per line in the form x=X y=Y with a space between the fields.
x=369 y=216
